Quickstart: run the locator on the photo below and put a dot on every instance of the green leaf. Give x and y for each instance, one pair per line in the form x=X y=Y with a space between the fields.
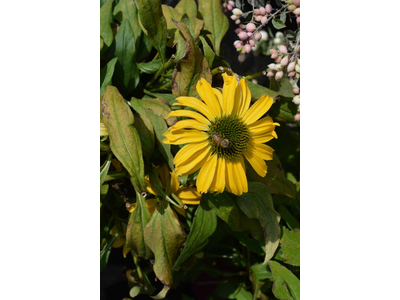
x=275 y=179
x=103 y=192
x=188 y=7
x=208 y=53
x=154 y=24
x=150 y=67
x=283 y=87
x=242 y=294
x=257 y=91
x=215 y=21
x=164 y=235
x=125 y=51
x=169 y=98
x=290 y=246
x=189 y=69
x=106 y=75
x=106 y=18
x=286 y=215
x=260 y=272
x=134 y=291
x=129 y=12
x=105 y=253
x=282 y=17
x=204 y=225
x=278 y=24
x=258 y=204
x=144 y=126
x=104 y=169
x=224 y=207
x=135 y=231
x=285 y=281
x=124 y=139
x=283 y=111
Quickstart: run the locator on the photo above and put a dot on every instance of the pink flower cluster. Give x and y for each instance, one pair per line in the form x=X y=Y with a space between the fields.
x=284 y=61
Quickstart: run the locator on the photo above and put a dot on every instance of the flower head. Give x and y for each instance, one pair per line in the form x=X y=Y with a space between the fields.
x=221 y=131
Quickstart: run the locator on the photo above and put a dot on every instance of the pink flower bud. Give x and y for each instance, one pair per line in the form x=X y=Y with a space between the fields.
x=279 y=75
x=283 y=49
x=232 y=3
x=242 y=26
x=296 y=2
x=291 y=7
x=247 y=48
x=292 y=74
x=268 y=8
x=263 y=20
x=252 y=43
x=249 y=34
x=243 y=36
x=256 y=11
x=242 y=58
x=274 y=55
x=234 y=18
x=297 y=117
x=296 y=99
x=298 y=20
x=285 y=61
x=258 y=18
x=278 y=60
x=229 y=7
x=291 y=66
x=262 y=11
x=238 y=30
x=270 y=74
x=250 y=27
x=296 y=91
x=237 y=22
x=297 y=11
x=238 y=45
x=257 y=36
x=272 y=51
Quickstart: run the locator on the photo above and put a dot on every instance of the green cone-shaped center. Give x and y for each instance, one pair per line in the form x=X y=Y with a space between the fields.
x=228 y=137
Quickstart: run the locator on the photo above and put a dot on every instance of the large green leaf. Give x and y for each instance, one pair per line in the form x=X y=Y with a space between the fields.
x=125 y=51
x=290 y=246
x=106 y=18
x=129 y=11
x=257 y=91
x=106 y=75
x=189 y=69
x=257 y=204
x=138 y=220
x=224 y=207
x=188 y=7
x=124 y=139
x=208 y=52
x=215 y=21
x=275 y=179
x=164 y=235
x=285 y=282
x=150 y=67
x=154 y=25
x=204 y=225
x=283 y=87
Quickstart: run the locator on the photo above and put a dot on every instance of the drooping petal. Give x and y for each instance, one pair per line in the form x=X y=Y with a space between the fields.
x=263 y=125
x=230 y=94
x=182 y=136
x=206 y=174
x=245 y=98
x=229 y=177
x=197 y=105
x=188 y=195
x=263 y=151
x=258 y=109
x=188 y=151
x=189 y=123
x=240 y=173
x=257 y=163
x=189 y=114
x=218 y=183
x=206 y=93
x=261 y=138
x=196 y=162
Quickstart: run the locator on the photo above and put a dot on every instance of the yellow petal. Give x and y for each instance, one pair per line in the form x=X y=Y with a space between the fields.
x=231 y=94
x=189 y=123
x=174 y=182
x=245 y=98
x=125 y=250
x=181 y=211
x=191 y=202
x=229 y=177
x=188 y=151
x=188 y=195
x=218 y=94
x=263 y=137
x=257 y=163
x=189 y=114
x=206 y=93
x=263 y=125
x=218 y=183
x=258 y=109
x=191 y=166
x=206 y=174
x=240 y=173
x=263 y=151
x=183 y=136
x=197 y=105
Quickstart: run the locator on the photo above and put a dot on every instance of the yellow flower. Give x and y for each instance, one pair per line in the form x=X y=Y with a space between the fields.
x=222 y=130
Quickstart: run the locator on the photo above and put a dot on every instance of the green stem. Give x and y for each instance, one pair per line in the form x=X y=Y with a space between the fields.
x=172 y=201
x=259 y=74
x=178 y=200
x=160 y=71
x=139 y=271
